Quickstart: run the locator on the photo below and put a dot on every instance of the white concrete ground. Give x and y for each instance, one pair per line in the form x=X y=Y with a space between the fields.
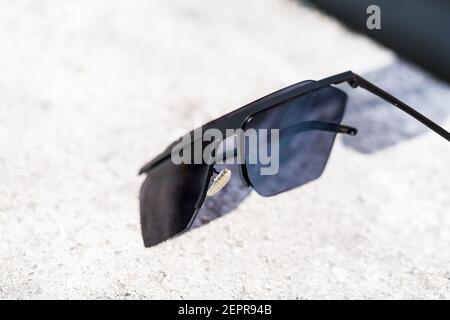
x=90 y=90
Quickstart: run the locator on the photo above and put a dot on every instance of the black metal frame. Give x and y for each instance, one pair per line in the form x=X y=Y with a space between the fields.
x=238 y=118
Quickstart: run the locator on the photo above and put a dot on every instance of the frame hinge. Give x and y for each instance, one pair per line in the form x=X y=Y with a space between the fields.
x=353 y=82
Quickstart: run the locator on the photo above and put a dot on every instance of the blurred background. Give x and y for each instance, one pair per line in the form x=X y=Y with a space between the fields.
x=415 y=29
x=91 y=90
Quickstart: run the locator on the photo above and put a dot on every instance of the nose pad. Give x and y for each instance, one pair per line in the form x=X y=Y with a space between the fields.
x=219 y=182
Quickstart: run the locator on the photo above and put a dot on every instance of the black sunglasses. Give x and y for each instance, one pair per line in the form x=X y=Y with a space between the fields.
x=308 y=116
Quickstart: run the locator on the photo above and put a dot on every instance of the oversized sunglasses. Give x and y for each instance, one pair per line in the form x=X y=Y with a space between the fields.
x=308 y=116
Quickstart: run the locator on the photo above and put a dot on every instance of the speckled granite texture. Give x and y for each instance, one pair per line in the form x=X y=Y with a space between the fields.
x=91 y=90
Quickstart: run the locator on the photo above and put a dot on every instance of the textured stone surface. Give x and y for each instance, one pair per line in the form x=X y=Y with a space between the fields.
x=91 y=90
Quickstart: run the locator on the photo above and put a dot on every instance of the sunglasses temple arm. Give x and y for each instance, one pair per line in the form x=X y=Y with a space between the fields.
x=299 y=128
x=317 y=125
x=358 y=81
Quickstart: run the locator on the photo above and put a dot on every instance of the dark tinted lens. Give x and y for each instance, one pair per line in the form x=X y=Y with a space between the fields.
x=167 y=199
x=307 y=127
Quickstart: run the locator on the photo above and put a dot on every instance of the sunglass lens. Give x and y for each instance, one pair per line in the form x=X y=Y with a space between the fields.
x=167 y=199
x=307 y=129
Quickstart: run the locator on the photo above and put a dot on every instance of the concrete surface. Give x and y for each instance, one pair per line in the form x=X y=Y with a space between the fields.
x=90 y=90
